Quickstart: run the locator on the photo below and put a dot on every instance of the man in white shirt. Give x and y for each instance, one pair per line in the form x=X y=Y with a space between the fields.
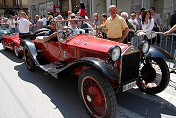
x=73 y=27
x=44 y=21
x=133 y=21
x=23 y=25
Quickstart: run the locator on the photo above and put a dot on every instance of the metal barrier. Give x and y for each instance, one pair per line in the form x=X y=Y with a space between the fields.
x=167 y=43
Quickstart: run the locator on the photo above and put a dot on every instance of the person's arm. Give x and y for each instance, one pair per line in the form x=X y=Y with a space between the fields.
x=125 y=29
x=103 y=25
x=125 y=33
x=29 y=23
x=47 y=38
x=160 y=21
x=136 y=23
x=171 y=30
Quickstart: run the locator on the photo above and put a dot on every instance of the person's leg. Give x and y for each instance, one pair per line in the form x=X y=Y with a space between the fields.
x=13 y=30
x=174 y=66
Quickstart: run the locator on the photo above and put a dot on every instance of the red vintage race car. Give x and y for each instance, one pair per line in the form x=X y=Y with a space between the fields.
x=103 y=66
x=12 y=41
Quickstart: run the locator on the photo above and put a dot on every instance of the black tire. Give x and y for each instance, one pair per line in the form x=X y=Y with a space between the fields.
x=17 y=54
x=99 y=95
x=30 y=64
x=3 y=45
x=150 y=74
x=41 y=30
x=41 y=33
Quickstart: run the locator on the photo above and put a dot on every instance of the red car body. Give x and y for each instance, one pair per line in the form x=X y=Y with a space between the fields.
x=76 y=47
x=79 y=53
x=9 y=42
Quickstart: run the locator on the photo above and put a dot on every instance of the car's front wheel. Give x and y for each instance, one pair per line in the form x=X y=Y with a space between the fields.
x=155 y=76
x=97 y=94
x=16 y=51
x=30 y=64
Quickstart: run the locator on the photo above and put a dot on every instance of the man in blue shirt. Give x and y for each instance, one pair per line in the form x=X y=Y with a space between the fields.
x=52 y=33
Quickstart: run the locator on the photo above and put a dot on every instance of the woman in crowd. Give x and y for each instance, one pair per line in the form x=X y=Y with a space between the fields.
x=96 y=21
x=104 y=31
x=147 y=27
x=82 y=10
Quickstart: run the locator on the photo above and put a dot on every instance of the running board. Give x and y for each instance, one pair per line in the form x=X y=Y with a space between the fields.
x=52 y=68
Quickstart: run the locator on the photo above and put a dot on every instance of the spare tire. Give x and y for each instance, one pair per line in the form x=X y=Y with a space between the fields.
x=41 y=33
x=41 y=30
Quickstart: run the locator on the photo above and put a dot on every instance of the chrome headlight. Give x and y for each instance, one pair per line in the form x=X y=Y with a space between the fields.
x=114 y=53
x=145 y=47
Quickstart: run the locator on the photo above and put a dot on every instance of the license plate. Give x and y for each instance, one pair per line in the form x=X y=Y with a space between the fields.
x=129 y=86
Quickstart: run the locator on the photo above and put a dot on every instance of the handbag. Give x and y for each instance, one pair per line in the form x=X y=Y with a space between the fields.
x=156 y=28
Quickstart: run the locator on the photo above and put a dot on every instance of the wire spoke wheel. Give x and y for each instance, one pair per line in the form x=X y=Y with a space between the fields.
x=97 y=94
x=16 y=51
x=94 y=97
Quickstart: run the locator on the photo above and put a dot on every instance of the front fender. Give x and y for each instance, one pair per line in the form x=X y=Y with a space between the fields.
x=158 y=52
x=30 y=46
x=106 y=68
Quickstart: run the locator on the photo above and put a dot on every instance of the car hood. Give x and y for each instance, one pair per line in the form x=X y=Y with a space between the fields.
x=93 y=43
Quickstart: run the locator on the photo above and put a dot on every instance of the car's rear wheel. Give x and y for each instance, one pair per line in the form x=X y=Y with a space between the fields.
x=16 y=51
x=3 y=45
x=30 y=64
x=97 y=94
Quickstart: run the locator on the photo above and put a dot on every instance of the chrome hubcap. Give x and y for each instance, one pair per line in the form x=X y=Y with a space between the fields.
x=89 y=99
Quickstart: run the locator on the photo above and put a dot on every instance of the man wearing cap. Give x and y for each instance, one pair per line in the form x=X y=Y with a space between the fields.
x=133 y=21
x=116 y=26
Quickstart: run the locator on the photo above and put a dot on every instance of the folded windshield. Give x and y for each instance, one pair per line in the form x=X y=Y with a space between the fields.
x=66 y=28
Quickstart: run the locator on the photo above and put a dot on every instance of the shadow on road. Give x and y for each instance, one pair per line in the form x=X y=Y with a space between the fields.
x=10 y=55
x=64 y=95
x=145 y=105
x=63 y=92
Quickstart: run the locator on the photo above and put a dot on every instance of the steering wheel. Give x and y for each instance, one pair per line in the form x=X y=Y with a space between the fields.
x=71 y=30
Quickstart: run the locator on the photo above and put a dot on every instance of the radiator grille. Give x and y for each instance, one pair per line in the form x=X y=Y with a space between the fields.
x=130 y=67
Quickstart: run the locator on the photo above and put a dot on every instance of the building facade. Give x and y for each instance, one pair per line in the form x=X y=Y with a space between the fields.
x=54 y=6
x=164 y=7
x=12 y=7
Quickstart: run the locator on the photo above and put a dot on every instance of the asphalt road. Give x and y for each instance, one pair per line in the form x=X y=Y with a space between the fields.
x=25 y=94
